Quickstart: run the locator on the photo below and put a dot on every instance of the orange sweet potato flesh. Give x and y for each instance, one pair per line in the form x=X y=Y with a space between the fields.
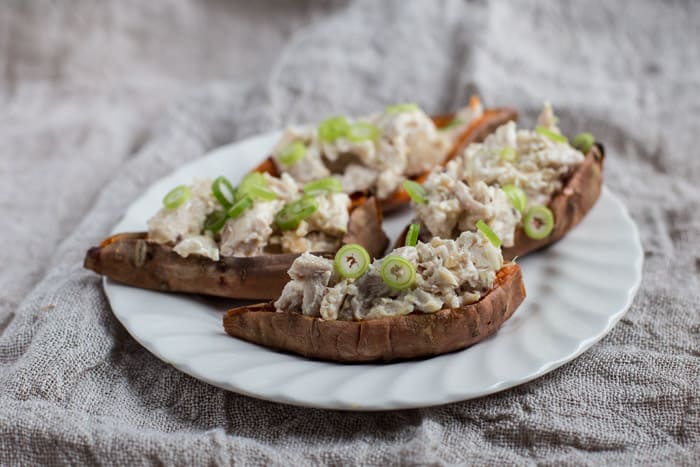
x=415 y=335
x=476 y=132
x=569 y=206
x=132 y=259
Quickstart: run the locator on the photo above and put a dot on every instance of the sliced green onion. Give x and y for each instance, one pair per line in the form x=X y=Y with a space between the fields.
x=397 y=272
x=363 y=131
x=352 y=261
x=225 y=198
x=415 y=191
x=240 y=206
x=538 y=222
x=516 y=196
x=261 y=192
x=400 y=108
x=333 y=128
x=177 y=197
x=253 y=179
x=216 y=220
x=508 y=154
x=292 y=153
x=488 y=233
x=556 y=137
x=583 y=142
x=412 y=235
x=291 y=215
x=453 y=124
x=323 y=185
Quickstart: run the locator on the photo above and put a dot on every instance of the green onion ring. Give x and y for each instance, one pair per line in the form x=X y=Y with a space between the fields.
x=261 y=192
x=556 y=137
x=583 y=142
x=363 y=131
x=224 y=200
x=488 y=233
x=516 y=196
x=397 y=272
x=216 y=220
x=240 y=206
x=333 y=128
x=415 y=191
x=538 y=222
x=412 y=235
x=323 y=185
x=177 y=197
x=291 y=215
x=292 y=153
x=352 y=261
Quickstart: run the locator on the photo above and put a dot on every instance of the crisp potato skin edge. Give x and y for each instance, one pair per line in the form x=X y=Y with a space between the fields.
x=416 y=335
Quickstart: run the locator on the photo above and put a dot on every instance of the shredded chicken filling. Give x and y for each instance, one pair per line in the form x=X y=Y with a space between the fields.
x=449 y=274
x=254 y=231
x=469 y=187
x=408 y=144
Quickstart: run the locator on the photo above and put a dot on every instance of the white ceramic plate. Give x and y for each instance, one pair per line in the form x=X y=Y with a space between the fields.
x=577 y=290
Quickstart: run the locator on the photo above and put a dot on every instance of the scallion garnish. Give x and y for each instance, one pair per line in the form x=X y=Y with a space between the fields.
x=583 y=142
x=177 y=197
x=216 y=220
x=240 y=206
x=333 y=128
x=291 y=215
x=516 y=196
x=412 y=235
x=362 y=131
x=223 y=191
x=488 y=233
x=538 y=222
x=323 y=185
x=397 y=272
x=415 y=191
x=556 y=137
x=400 y=108
x=352 y=261
x=292 y=153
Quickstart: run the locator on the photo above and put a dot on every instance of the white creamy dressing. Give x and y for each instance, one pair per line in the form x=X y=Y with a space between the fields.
x=250 y=233
x=449 y=274
x=409 y=143
x=468 y=188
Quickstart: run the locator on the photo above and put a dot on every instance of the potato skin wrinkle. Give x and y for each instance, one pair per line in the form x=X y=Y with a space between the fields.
x=416 y=335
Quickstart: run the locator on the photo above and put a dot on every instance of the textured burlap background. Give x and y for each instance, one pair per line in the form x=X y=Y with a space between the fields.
x=100 y=99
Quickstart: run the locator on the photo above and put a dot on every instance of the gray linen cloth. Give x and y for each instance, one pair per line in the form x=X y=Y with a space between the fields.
x=100 y=99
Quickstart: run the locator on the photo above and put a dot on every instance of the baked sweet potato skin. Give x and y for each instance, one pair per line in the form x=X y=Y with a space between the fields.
x=131 y=259
x=569 y=206
x=416 y=335
x=476 y=132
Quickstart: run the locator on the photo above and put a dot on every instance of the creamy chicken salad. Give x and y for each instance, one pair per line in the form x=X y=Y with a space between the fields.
x=499 y=181
x=375 y=153
x=264 y=214
x=424 y=278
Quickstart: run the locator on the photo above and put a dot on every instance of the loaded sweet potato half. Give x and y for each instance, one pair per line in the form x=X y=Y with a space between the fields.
x=423 y=299
x=211 y=238
x=373 y=155
x=526 y=189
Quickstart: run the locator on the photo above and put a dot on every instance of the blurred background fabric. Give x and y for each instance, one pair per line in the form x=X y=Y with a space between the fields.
x=100 y=99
